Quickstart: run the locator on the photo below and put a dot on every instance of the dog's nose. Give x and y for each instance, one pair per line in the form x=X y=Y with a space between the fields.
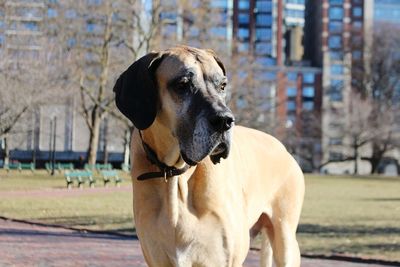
x=222 y=122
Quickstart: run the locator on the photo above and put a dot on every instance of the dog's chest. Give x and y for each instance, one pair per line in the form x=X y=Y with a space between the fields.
x=200 y=241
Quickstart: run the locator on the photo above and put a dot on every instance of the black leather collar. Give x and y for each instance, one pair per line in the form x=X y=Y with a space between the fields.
x=165 y=170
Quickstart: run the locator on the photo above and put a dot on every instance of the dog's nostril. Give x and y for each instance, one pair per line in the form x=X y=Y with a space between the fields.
x=222 y=122
x=229 y=122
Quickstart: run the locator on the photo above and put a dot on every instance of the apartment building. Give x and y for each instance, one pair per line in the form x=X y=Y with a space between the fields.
x=337 y=34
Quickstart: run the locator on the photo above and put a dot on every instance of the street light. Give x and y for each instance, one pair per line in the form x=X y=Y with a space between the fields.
x=53 y=152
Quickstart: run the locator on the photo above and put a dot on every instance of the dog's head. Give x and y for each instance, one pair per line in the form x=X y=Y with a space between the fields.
x=184 y=88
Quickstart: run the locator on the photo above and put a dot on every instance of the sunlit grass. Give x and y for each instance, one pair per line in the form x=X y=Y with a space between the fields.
x=357 y=216
x=351 y=215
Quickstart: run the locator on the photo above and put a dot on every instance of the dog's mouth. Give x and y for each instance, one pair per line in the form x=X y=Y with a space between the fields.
x=188 y=160
x=219 y=151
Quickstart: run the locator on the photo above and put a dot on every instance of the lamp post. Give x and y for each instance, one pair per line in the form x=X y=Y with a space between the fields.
x=53 y=152
x=50 y=141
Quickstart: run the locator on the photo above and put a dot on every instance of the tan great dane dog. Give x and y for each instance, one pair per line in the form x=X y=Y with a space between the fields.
x=191 y=208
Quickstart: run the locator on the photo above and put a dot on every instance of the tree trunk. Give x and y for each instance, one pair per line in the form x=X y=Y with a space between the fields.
x=355 y=146
x=6 y=151
x=94 y=140
x=127 y=146
x=377 y=154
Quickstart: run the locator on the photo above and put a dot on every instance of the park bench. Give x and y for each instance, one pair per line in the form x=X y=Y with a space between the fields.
x=80 y=176
x=59 y=166
x=20 y=166
x=111 y=174
x=125 y=167
x=97 y=167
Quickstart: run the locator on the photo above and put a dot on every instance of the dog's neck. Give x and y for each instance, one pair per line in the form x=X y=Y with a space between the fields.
x=160 y=139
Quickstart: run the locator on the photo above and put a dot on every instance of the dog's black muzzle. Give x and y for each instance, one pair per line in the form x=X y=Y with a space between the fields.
x=221 y=123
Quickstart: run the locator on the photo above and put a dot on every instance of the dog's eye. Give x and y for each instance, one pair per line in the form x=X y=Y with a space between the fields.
x=222 y=86
x=183 y=85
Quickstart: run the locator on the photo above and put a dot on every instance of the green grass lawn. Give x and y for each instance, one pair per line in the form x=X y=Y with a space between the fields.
x=357 y=216
x=351 y=215
x=95 y=211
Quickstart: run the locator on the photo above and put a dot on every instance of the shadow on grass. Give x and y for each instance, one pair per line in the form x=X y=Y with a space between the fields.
x=41 y=233
x=346 y=230
x=128 y=232
x=88 y=220
x=112 y=224
x=389 y=199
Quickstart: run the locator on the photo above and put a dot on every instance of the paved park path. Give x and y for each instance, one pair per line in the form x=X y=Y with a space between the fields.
x=24 y=244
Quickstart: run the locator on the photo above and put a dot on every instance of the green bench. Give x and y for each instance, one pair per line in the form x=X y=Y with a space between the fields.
x=20 y=166
x=125 y=167
x=111 y=174
x=80 y=177
x=59 y=166
x=98 y=167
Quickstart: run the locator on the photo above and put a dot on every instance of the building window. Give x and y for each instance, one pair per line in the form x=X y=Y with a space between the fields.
x=308 y=77
x=243 y=46
x=263 y=34
x=335 y=141
x=291 y=105
x=70 y=13
x=336 y=55
x=356 y=54
x=264 y=20
x=243 y=4
x=266 y=61
x=31 y=25
x=357 y=12
x=357 y=25
x=336 y=126
x=335 y=156
x=308 y=105
x=337 y=84
x=51 y=13
x=219 y=3
x=336 y=13
x=90 y=27
x=71 y=42
x=337 y=69
x=94 y=2
x=336 y=26
x=243 y=33
x=356 y=40
x=294 y=13
x=299 y=2
x=219 y=31
x=292 y=76
x=263 y=6
x=291 y=92
x=336 y=95
x=336 y=2
x=168 y=15
x=243 y=18
x=264 y=48
x=270 y=75
x=335 y=41
x=308 y=91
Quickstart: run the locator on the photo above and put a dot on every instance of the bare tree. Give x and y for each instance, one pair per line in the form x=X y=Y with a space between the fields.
x=91 y=32
x=26 y=83
x=378 y=80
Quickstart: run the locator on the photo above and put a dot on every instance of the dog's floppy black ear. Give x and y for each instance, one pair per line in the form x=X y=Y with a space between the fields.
x=220 y=64
x=136 y=91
